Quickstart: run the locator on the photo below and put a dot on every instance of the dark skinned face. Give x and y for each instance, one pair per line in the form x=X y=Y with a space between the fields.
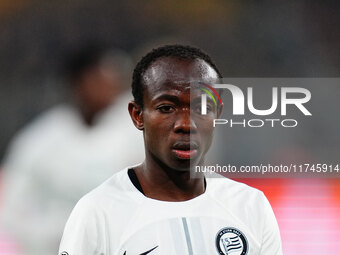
x=176 y=135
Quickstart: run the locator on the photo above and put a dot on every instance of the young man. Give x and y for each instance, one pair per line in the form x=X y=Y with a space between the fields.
x=155 y=207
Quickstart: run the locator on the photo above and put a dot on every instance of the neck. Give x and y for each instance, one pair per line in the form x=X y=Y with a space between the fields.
x=161 y=183
x=88 y=117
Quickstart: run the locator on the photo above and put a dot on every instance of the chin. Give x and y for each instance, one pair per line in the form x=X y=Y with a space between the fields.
x=185 y=165
x=182 y=166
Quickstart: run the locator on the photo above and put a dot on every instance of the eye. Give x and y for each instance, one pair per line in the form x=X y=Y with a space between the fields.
x=166 y=109
x=197 y=109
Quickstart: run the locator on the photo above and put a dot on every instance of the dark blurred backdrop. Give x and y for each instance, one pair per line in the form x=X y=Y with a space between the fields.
x=260 y=38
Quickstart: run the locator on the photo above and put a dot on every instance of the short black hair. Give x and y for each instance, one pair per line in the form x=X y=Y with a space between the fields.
x=176 y=51
x=79 y=61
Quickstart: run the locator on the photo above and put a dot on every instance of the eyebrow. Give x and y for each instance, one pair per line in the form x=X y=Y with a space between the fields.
x=198 y=100
x=167 y=97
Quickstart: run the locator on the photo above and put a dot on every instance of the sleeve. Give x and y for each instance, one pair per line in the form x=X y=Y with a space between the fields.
x=84 y=233
x=271 y=240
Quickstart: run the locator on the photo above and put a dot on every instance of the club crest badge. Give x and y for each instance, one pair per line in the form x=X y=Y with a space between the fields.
x=231 y=241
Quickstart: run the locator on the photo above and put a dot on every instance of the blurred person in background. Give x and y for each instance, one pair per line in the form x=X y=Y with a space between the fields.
x=68 y=150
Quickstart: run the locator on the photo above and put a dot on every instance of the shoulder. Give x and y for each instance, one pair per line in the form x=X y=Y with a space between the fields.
x=31 y=140
x=115 y=190
x=50 y=116
x=236 y=195
x=45 y=124
x=220 y=184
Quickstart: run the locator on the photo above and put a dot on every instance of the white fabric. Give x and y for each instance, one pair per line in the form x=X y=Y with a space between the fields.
x=117 y=219
x=56 y=160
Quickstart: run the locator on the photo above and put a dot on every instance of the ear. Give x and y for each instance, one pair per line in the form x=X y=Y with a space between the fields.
x=136 y=114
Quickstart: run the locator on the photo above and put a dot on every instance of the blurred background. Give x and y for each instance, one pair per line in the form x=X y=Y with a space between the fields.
x=259 y=38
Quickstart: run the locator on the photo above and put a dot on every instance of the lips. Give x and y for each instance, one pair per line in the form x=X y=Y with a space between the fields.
x=185 y=150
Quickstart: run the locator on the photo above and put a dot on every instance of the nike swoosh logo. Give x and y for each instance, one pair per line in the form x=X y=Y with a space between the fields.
x=147 y=252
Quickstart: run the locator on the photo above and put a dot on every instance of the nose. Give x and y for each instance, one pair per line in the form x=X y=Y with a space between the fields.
x=184 y=123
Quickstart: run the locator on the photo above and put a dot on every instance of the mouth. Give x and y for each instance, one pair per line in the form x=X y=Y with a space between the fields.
x=185 y=150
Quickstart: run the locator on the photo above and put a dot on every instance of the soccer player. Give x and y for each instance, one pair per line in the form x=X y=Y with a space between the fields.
x=68 y=150
x=155 y=207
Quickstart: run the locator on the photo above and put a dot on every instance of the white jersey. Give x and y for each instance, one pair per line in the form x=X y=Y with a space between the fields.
x=117 y=219
x=56 y=160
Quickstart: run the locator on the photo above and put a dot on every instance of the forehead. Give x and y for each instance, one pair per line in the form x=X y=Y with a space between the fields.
x=168 y=73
